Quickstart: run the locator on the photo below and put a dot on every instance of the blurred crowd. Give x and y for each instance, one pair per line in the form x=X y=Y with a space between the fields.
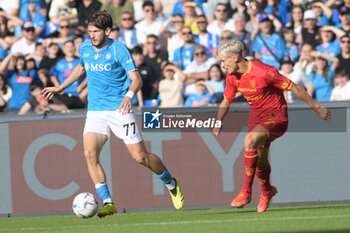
x=173 y=43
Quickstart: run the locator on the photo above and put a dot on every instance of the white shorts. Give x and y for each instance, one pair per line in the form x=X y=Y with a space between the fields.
x=124 y=127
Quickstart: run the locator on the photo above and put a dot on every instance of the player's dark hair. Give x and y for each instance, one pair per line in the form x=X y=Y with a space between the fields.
x=101 y=20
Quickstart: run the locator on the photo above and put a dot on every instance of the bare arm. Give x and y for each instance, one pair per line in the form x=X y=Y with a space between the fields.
x=136 y=83
x=295 y=2
x=325 y=9
x=165 y=24
x=333 y=59
x=257 y=56
x=158 y=8
x=191 y=78
x=276 y=23
x=323 y=112
x=4 y=63
x=12 y=19
x=140 y=98
x=209 y=88
x=82 y=85
x=198 y=9
x=58 y=107
x=55 y=81
x=135 y=86
x=25 y=108
x=310 y=89
x=78 y=71
x=180 y=72
x=337 y=31
x=4 y=44
x=330 y=3
x=223 y=110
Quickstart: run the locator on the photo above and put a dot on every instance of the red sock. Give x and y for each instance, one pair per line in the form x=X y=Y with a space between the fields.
x=263 y=175
x=250 y=163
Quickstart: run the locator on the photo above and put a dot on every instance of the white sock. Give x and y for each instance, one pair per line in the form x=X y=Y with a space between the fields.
x=108 y=200
x=98 y=185
x=171 y=185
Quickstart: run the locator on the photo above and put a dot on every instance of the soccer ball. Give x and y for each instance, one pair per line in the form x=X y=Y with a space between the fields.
x=85 y=205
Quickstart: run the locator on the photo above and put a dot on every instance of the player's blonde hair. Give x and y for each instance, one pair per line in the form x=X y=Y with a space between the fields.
x=228 y=48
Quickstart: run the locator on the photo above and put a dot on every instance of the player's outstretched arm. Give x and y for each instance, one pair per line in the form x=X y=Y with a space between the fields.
x=78 y=71
x=134 y=87
x=223 y=110
x=323 y=112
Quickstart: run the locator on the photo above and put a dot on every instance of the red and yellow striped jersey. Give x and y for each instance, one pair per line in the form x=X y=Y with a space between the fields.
x=262 y=85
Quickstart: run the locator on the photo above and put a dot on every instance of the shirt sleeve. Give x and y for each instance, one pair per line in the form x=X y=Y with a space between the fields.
x=274 y=78
x=81 y=61
x=230 y=89
x=124 y=58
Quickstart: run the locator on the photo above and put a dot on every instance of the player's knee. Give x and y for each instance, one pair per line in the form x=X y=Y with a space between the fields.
x=90 y=155
x=141 y=158
x=250 y=141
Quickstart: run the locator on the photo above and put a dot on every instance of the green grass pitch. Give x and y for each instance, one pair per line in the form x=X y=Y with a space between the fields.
x=313 y=218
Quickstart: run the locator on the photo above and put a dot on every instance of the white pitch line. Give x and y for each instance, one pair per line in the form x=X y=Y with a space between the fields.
x=23 y=229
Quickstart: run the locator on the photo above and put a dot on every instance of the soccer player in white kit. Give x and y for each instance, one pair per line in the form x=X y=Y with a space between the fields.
x=107 y=63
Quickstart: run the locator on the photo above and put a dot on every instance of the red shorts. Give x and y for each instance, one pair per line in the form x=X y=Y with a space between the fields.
x=275 y=123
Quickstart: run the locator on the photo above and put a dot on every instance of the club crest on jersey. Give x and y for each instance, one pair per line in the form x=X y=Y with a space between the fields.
x=97 y=56
x=108 y=56
x=284 y=85
x=252 y=82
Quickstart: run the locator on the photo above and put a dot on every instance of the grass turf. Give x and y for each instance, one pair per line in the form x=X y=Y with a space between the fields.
x=315 y=218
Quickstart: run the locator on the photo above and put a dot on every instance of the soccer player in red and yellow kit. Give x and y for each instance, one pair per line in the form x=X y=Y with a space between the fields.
x=262 y=85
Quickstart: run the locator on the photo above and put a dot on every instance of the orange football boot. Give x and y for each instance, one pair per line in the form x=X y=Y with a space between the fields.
x=265 y=200
x=241 y=200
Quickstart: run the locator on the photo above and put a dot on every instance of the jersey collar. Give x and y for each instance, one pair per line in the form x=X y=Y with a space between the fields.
x=249 y=68
x=99 y=50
